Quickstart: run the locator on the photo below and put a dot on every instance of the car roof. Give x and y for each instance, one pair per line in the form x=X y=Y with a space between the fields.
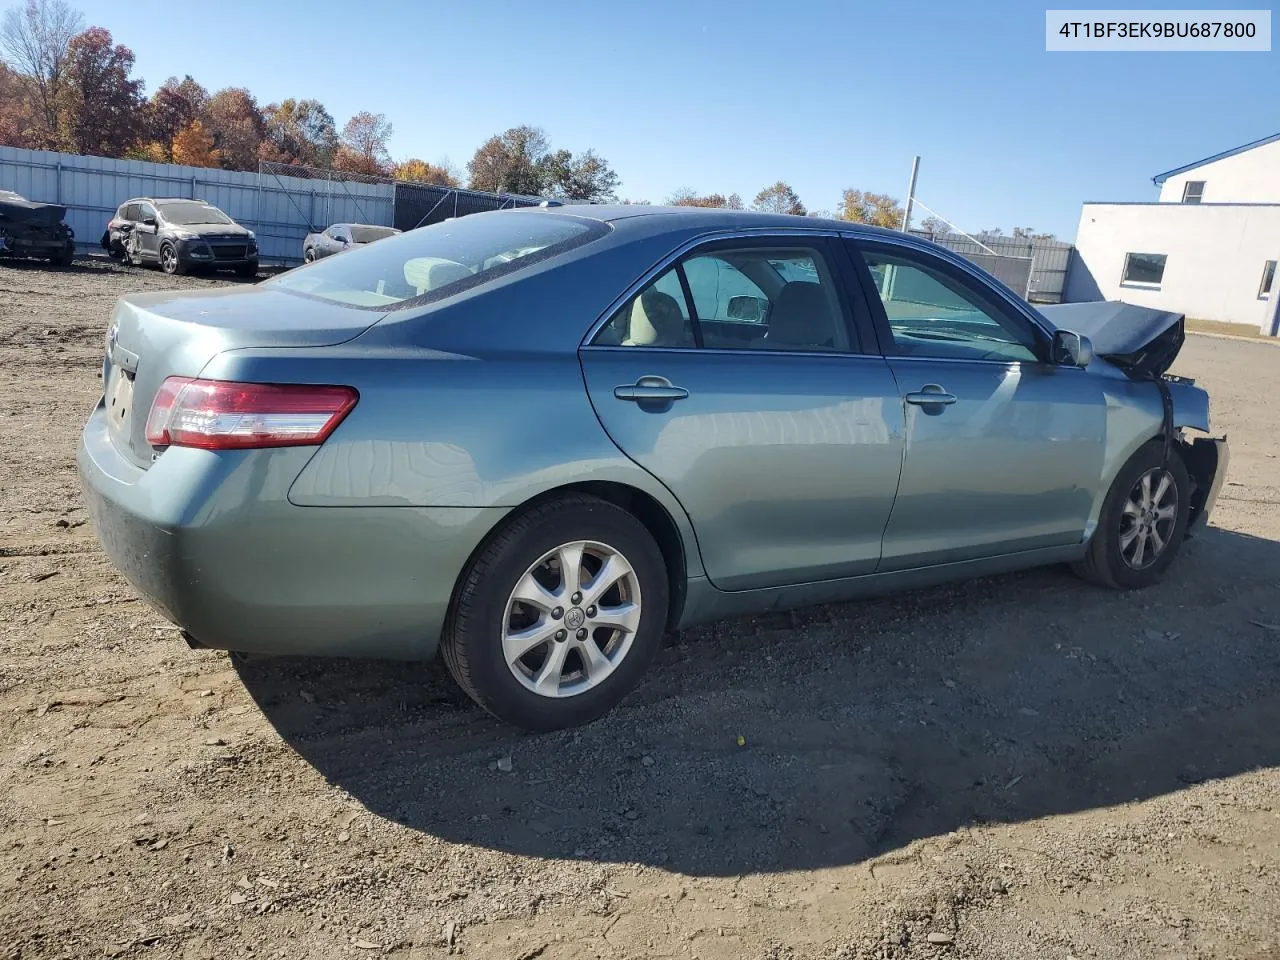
x=709 y=218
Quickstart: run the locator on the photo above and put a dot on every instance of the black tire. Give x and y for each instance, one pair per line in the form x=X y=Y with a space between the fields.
x=247 y=271
x=66 y=256
x=309 y=255
x=1105 y=563
x=170 y=262
x=473 y=634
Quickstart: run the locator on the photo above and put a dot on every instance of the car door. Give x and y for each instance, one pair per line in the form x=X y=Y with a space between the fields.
x=1004 y=449
x=784 y=443
x=148 y=233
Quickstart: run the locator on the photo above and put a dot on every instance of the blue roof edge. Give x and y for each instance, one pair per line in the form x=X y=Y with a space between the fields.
x=1160 y=178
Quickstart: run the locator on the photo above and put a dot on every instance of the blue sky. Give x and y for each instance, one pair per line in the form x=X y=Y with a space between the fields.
x=726 y=96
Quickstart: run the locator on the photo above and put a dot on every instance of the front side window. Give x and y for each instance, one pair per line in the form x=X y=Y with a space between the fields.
x=933 y=312
x=1268 y=279
x=146 y=210
x=1143 y=268
x=370 y=234
x=780 y=299
x=1193 y=191
x=445 y=258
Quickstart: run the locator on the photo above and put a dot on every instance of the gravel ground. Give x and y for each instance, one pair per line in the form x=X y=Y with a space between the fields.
x=1023 y=766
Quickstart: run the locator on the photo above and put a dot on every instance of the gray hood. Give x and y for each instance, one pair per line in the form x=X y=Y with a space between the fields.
x=1142 y=341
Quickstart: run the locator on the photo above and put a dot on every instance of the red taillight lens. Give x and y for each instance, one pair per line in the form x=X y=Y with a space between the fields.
x=221 y=415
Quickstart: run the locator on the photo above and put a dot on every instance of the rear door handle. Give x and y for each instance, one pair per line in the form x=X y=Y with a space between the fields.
x=929 y=395
x=650 y=389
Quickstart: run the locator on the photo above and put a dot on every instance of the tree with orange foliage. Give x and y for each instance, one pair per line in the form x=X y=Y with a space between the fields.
x=422 y=172
x=193 y=146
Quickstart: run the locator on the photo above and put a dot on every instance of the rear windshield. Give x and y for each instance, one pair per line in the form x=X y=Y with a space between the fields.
x=192 y=213
x=370 y=234
x=440 y=260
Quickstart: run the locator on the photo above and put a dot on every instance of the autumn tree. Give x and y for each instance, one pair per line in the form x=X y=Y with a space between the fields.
x=509 y=162
x=102 y=110
x=234 y=121
x=193 y=146
x=685 y=197
x=35 y=38
x=172 y=109
x=363 y=147
x=299 y=131
x=779 y=198
x=878 y=209
x=16 y=110
x=420 y=171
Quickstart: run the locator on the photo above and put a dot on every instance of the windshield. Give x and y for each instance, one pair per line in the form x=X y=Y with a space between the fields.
x=187 y=212
x=441 y=259
x=369 y=234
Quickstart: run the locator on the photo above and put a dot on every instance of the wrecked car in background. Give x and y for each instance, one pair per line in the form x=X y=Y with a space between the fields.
x=35 y=230
x=341 y=237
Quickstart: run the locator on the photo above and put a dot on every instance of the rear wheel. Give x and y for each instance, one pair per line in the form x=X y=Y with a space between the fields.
x=309 y=255
x=1142 y=524
x=170 y=262
x=559 y=615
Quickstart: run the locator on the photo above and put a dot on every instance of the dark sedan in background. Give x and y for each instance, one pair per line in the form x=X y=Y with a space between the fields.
x=341 y=237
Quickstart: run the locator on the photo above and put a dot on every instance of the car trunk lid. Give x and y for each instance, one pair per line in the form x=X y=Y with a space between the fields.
x=159 y=335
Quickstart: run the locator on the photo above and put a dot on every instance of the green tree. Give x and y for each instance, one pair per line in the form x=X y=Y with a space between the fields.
x=877 y=209
x=586 y=176
x=299 y=131
x=779 y=198
x=510 y=162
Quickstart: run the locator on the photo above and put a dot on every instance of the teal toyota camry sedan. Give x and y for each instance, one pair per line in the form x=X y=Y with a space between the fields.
x=535 y=440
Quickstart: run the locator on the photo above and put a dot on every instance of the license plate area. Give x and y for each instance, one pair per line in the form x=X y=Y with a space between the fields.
x=119 y=403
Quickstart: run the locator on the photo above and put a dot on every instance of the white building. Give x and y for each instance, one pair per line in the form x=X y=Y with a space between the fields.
x=1207 y=248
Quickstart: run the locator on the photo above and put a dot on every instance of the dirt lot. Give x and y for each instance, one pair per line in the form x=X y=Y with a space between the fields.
x=1015 y=767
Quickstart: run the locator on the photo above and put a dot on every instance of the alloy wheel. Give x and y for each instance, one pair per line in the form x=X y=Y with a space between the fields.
x=571 y=619
x=1148 y=518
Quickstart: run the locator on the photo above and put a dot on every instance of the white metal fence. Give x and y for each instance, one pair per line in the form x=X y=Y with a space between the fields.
x=1041 y=264
x=280 y=210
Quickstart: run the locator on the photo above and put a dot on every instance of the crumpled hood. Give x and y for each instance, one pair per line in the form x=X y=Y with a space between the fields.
x=27 y=211
x=1142 y=341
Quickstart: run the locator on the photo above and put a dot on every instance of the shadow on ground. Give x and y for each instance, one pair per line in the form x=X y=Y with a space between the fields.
x=864 y=725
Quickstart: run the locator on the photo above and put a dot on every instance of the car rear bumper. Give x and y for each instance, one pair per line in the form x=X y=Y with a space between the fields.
x=212 y=540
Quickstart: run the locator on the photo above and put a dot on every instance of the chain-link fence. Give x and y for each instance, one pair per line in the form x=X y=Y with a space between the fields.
x=1037 y=269
x=318 y=198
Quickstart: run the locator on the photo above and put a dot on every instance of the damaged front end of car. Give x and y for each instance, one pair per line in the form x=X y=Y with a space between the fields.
x=1143 y=342
x=34 y=230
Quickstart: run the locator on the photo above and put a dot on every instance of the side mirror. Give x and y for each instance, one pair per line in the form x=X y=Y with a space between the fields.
x=149 y=221
x=343 y=240
x=747 y=309
x=1071 y=349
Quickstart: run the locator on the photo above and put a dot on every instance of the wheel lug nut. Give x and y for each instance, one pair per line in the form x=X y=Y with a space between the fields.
x=560 y=635
x=591 y=611
x=557 y=613
x=577 y=598
x=582 y=634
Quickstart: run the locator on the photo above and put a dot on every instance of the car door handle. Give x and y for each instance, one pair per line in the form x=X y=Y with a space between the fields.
x=929 y=395
x=650 y=388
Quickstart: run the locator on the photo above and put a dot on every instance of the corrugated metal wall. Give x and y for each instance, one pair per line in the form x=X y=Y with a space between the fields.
x=280 y=210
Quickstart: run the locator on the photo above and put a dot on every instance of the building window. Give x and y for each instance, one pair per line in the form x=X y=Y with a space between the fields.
x=1193 y=191
x=1268 y=277
x=1145 y=269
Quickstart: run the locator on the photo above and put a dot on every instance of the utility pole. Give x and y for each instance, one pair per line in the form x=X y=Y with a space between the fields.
x=911 y=194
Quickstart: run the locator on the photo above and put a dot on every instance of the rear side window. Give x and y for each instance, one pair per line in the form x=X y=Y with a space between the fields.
x=440 y=260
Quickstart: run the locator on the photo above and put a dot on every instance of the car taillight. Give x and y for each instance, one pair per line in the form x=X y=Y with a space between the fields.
x=222 y=415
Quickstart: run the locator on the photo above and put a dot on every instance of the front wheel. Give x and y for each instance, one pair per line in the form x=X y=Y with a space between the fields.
x=170 y=262
x=1143 y=522
x=557 y=618
x=309 y=255
x=247 y=271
